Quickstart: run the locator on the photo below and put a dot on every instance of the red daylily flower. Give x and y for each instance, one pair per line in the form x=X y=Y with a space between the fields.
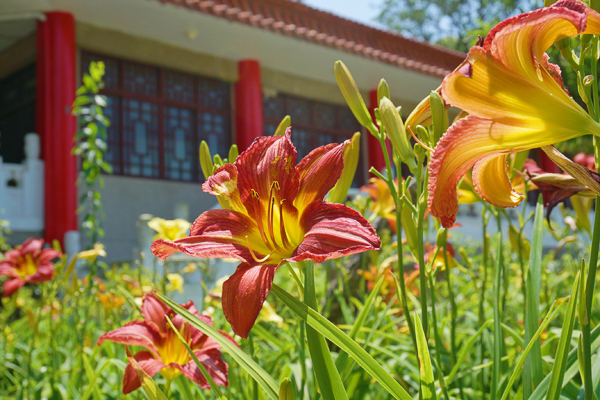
x=27 y=263
x=273 y=212
x=166 y=354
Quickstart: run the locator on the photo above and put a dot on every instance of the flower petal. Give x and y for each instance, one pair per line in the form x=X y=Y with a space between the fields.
x=45 y=272
x=11 y=286
x=494 y=92
x=492 y=183
x=134 y=333
x=148 y=363
x=244 y=293
x=224 y=185
x=318 y=172
x=154 y=311
x=48 y=255
x=7 y=269
x=269 y=159
x=216 y=234
x=214 y=364
x=332 y=231
x=469 y=141
x=31 y=246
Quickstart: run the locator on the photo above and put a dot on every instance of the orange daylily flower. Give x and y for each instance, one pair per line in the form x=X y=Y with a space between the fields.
x=165 y=353
x=515 y=100
x=27 y=263
x=273 y=212
x=383 y=203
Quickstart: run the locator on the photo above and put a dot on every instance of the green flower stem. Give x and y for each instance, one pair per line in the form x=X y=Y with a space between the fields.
x=453 y=312
x=485 y=252
x=400 y=273
x=593 y=266
x=497 y=356
x=436 y=335
x=421 y=255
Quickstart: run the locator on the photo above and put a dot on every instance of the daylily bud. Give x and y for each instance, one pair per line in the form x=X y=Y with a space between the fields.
x=439 y=116
x=206 y=163
x=409 y=225
x=283 y=125
x=423 y=134
x=383 y=90
x=353 y=97
x=395 y=130
x=286 y=391
x=340 y=190
x=217 y=160
x=440 y=240
x=233 y=153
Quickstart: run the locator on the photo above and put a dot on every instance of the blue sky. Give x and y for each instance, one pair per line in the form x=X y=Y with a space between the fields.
x=363 y=11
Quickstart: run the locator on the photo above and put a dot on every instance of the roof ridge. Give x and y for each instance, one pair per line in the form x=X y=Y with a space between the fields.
x=291 y=18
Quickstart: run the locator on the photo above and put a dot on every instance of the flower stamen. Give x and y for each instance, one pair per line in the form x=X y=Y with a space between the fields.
x=258 y=260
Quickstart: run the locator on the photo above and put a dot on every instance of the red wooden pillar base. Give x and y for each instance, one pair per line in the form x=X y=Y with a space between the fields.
x=55 y=92
x=375 y=155
x=248 y=104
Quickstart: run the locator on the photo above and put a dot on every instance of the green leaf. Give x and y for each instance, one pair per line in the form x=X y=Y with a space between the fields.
x=532 y=371
x=261 y=376
x=464 y=351
x=427 y=377
x=549 y=317
x=213 y=385
x=562 y=353
x=328 y=377
x=340 y=339
x=360 y=321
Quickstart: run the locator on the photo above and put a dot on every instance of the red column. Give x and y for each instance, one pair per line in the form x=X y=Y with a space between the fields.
x=55 y=92
x=374 y=153
x=248 y=104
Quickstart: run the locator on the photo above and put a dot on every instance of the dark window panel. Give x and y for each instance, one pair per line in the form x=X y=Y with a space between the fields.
x=213 y=94
x=113 y=140
x=179 y=87
x=214 y=129
x=181 y=149
x=140 y=79
x=140 y=139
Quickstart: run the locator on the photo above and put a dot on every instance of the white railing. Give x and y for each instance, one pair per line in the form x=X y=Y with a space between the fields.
x=22 y=189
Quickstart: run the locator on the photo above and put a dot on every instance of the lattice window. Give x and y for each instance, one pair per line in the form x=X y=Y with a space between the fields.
x=314 y=124
x=158 y=118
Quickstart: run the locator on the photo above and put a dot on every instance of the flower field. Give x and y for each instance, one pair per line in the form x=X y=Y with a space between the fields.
x=340 y=295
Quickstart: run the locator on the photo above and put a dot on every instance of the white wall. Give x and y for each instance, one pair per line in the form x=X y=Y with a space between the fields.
x=125 y=198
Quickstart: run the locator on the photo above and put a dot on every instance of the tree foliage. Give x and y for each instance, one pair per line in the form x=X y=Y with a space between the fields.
x=451 y=23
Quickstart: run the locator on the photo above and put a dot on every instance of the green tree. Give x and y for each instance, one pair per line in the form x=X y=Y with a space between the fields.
x=451 y=23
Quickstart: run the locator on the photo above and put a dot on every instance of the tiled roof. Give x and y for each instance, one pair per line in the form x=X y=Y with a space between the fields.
x=298 y=20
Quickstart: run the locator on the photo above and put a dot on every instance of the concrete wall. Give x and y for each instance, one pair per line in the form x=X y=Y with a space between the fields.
x=125 y=198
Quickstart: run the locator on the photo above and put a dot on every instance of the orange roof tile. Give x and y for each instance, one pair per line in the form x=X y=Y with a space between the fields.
x=298 y=20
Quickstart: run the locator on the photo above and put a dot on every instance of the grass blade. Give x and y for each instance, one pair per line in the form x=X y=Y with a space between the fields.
x=328 y=377
x=532 y=371
x=549 y=317
x=562 y=353
x=266 y=381
x=427 y=378
x=340 y=363
x=339 y=338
